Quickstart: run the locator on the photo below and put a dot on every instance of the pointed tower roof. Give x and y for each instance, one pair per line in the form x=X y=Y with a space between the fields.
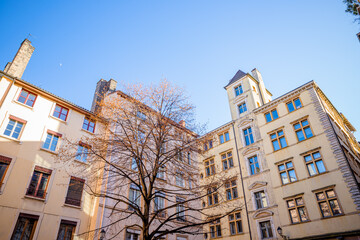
x=237 y=76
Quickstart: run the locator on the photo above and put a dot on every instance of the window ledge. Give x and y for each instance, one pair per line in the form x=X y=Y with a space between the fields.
x=306 y=138
x=35 y=198
x=281 y=149
x=24 y=105
x=339 y=215
x=49 y=151
x=72 y=206
x=286 y=184
x=84 y=130
x=292 y=224
x=58 y=119
x=10 y=138
x=81 y=162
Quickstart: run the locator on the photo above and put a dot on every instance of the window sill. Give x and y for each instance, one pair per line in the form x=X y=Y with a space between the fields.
x=35 y=198
x=49 y=151
x=286 y=184
x=58 y=119
x=281 y=149
x=24 y=105
x=10 y=138
x=87 y=131
x=306 y=139
x=72 y=206
x=292 y=224
x=339 y=215
x=81 y=162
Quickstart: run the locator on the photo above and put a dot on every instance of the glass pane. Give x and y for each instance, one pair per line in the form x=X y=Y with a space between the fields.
x=42 y=186
x=275 y=114
x=273 y=136
x=231 y=217
x=316 y=155
x=297 y=126
x=281 y=167
x=335 y=207
x=291 y=203
x=300 y=135
x=9 y=127
x=232 y=228
x=46 y=144
x=283 y=142
x=320 y=196
x=284 y=178
x=17 y=130
x=227 y=138
x=228 y=194
x=54 y=143
x=320 y=166
x=311 y=169
x=23 y=96
x=221 y=138
x=308 y=158
x=294 y=216
x=231 y=163
x=225 y=166
x=325 y=209
x=276 y=145
x=292 y=175
x=3 y=167
x=238 y=215
x=234 y=192
x=330 y=194
x=299 y=201
x=289 y=165
x=238 y=226
x=304 y=123
x=308 y=132
x=223 y=156
x=280 y=133
x=302 y=214
x=297 y=103
x=251 y=138
x=290 y=106
x=268 y=117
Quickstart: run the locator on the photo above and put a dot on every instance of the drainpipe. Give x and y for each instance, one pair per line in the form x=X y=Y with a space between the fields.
x=242 y=182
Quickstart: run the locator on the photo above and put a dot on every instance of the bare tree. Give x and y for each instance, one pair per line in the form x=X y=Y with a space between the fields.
x=143 y=162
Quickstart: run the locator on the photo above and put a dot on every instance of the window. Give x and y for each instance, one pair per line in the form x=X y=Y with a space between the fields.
x=179 y=177
x=303 y=130
x=213 y=197
x=235 y=223
x=82 y=152
x=227 y=160
x=141 y=115
x=287 y=172
x=60 y=112
x=314 y=163
x=25 y=227
x=294 y=104
x=27 y=98
x=14 y=127
x=278 y=140
x=161 y=172
x=238 y=90
x=272 y=115
x=189 y=158
x=231 y=190
x=88 y=125
x=242 y=107
x=249 y=139
x=208 y=145
x=215 y=228
x=51 y=141
x=328 y=203
x=39 y=182
x=134 y=164
x=180 y=209
x=209 y=167
x=224 y=137
x=254 y=165
x=266 y=230
x=260 y=200
x=132 y=234
x=134 y=197
x=297 y=211
x=74 y=193
x=4 y=165
x=190 y=183
x=159 y=203
x=66 y=230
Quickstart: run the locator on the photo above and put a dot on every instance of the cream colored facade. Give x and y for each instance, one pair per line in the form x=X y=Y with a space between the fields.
x=23 y=155
x=327 y=137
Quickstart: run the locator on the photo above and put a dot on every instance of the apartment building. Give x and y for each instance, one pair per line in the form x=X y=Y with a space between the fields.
x=40 y=197
x=296 y=160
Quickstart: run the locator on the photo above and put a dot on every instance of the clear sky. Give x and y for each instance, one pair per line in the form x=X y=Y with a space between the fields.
x=198 y=45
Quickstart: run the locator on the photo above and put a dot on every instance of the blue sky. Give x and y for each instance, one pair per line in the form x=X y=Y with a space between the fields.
x=198 y=45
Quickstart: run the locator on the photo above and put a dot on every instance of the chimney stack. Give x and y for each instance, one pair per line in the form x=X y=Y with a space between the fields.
x=17 y=67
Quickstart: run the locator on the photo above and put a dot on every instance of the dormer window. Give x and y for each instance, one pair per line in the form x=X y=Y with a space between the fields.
x=238 y=90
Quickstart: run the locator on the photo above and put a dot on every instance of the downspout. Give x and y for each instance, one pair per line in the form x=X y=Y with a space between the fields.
x=242 y=182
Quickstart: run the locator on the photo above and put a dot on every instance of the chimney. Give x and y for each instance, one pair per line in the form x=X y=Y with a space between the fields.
x=17 y=67
x=102 y=87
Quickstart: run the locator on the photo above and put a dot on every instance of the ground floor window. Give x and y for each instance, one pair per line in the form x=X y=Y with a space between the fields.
x=66 y=230
x=132 y=234
x=25 y=227
x=266 y=230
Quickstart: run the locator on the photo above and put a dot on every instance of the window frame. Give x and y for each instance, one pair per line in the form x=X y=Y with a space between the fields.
x=88 y=125
x=229 y=186
x=327 y=200
x=267 y=229
x=12 y=131
x=180 y=176
x=53 y=134
x=250 y=164
x=68 y=224
x=137 y=200
x=161 y=211
x=43 y=172
x=302 y=129
x=210 y=164
x=296 y=207
x=84 y=153
x=255 y=199
x=238 y=87
x=216 y=225
x=235 y=221
x=60 y=113
x=6 y=161
x=212 y=195
x=293 y=103
x=26 y=98
x=27 y=217
x=314 y=161
x=226 y=160
x=249 y=135
x=242 y=107
x=286 y=170
x=73 y=202
x=224 y=137
x=272 y=140
x=270 y=112
x=180 y=215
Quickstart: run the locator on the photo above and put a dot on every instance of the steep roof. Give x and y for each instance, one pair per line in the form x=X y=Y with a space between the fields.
x=237 y=76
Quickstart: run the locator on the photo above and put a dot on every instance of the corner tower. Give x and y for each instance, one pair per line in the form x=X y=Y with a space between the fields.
x=246 y=92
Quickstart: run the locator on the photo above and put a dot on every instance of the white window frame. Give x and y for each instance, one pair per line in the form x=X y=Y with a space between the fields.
x=253 y=191
x=247 y=156
x=272 y=227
